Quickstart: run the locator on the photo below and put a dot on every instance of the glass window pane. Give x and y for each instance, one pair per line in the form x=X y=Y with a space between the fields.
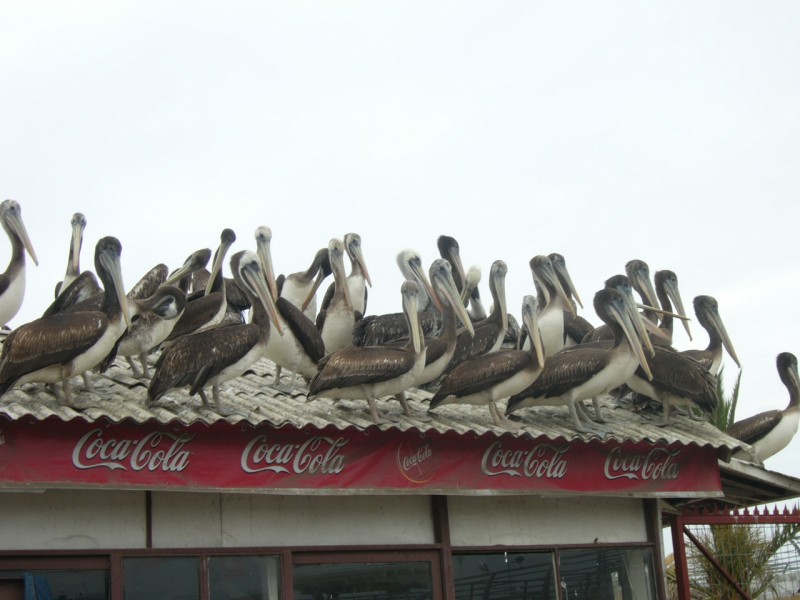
x=244 y=578
x=362 y=581
x=505 y=575
x=64 y=585
x=166 y=578
x=608 y=574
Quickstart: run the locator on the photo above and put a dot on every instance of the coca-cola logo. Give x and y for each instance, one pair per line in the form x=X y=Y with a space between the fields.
x=318 y=454
x=658 y=463
x=156 y=451
x=543 y=461
x=416 y=462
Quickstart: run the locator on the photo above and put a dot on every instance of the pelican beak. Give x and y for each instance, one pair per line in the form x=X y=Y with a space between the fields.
x=359 y=256
x=253 y=276
x=77 y=242
x=422 y=277
x=219 y=257
x=445 y=283
x=550 y=272
x=561 y=269
x=264 y=251
x=532 y=325
x=719 y=326
x=410 y=307
x=675 y=296
x=317 y=282
x=337 y=266
x=15 y=221
x=111 y=264
x=187 y=268
x=623 y=317
x=640 y=325
x=643 y=283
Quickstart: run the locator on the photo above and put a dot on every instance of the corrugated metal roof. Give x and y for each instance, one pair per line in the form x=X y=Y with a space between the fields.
x=250 y=399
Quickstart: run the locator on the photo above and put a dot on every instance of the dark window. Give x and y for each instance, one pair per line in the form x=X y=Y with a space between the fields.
x=63 y=585
x=363 y=581
x=607 y=574
x=505 y=575
x=244 y=578
x=165 y=578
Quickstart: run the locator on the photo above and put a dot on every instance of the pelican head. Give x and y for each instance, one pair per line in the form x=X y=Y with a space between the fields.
x=11 y=218
x=352 y=243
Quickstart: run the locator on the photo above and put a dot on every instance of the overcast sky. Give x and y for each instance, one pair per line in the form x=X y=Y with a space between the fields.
x=605 y=131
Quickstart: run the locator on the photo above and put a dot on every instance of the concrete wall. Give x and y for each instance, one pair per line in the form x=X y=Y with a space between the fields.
x=80 y=520
x=521 y=520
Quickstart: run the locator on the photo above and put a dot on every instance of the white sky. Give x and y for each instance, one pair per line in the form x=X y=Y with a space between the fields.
x=605 y=131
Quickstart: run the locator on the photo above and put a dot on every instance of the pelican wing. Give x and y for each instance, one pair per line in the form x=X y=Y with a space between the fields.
x=148 y=284
x=52 y=340
x=482 y=372
x=704 y=357
x=683 y=376
x=194 y=359
x=303 y=329
x=752 y=429
x=196 y=312
x=354 y=365
x=470 y=347
x=83 y=294
x=563 y=371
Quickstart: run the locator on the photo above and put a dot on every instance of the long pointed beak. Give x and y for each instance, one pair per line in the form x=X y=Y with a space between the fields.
x=662 y=312
x=675 y=296
x=111 y=263
x=716 y=323
x=217 y=266
x=264 y=252
x=448 y=287
x=562 y=270
x=454 y=258
x=640 y=325
x=15 y=221
x=560 y=290
x=317 y=282
x=255 y=279
x=75 y=246
x=629 y=329
x=410 y=306
x=420 y=273
x=359 y=255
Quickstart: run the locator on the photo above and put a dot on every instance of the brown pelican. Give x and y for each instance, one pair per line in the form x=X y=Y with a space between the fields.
x=450 y=251
x=375 y=330
x=553 y=301
x=586 y=371
x=152 y=320
x=770 y=432
x=12 y=282
x=301 y=288
x=207 y=311
x=489 y=333
x=371 y=372
x=667 y=293
x=707 y=311
x=214 y=356
x=336 y=321
x=300 y=346
x=53 y=349
x=676 y=380
x=491 y=377
x=74 y=261
x=470 y=295
x=357 y=280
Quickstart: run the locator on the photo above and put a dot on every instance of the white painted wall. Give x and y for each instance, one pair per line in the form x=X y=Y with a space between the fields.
x=524 y=520
x=71 y=520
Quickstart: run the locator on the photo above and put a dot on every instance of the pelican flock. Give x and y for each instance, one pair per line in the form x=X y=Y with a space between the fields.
x=203 y=330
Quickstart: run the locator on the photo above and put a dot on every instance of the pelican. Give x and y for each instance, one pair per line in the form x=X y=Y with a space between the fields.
x=586 y=371
x=470 y=295
x=74 y=261
x=207 y=311
x=667 y=293
x=53 y=349
x=371 y=372
x=214 y=356
x=553 y=301
x=770 y=432
x=489 y=333
x=12 y=282
x=336 y=321
x=707 y=310
x=466 y=283
x=301 y=288
x=152 y=320
x=358 y=279
x=450 y=251
x=375 y=330
x=676 y=380
x=182 y=276
x=300 y=346
x=491 y=377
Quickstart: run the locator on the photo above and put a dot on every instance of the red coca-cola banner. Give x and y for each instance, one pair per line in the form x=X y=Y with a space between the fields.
x=55 y=453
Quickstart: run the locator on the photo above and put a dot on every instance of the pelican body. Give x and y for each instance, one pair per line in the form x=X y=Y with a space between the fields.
x=486 y=379
x=553 y=302
x=586 y=371
x=12 y=282
x=53 y=349
x=770 y=432
x=214 y=356
x=371 y=372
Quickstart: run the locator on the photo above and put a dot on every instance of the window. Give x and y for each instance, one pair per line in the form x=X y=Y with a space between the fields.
x=505 y=575
x=607 y=573
x=61 y=584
